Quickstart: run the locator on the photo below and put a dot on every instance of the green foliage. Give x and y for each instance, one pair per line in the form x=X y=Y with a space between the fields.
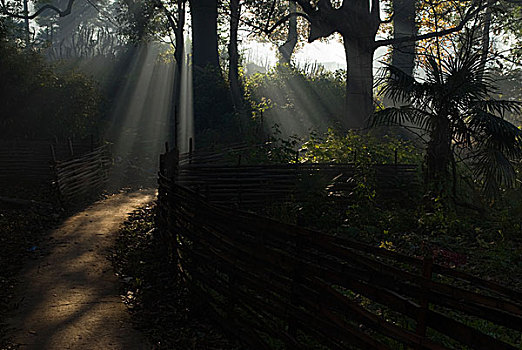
x=361 y=148
x=139 y=20
x=38 y=101
x=298 y=102
x=454 y=106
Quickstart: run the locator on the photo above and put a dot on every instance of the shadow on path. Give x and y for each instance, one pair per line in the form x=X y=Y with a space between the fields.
x=69 y=298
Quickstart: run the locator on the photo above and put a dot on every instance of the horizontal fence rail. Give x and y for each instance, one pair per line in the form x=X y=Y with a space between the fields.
x=30 y=160
x=226 y=177
x=282 y=286
x=79 y=177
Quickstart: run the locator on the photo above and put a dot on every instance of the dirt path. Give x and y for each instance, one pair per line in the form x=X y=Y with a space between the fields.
x=69 y=298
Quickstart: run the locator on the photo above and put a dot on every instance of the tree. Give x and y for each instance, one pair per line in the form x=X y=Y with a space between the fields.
x=287 y=49
x=204 y=33
x=39 y=102
x=233 y=54
x=7 y=10
x=454 y=106
x=404 y=25
x=358 y=23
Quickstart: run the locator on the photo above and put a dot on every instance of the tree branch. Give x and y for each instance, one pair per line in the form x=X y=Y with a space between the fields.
x=61 y=13
x=305 y=5
x=272 y=9
x=270 y=30
x=170 y=18
x=459 y=27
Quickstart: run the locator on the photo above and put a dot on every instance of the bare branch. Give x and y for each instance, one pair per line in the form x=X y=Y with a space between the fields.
x=305 y=5
x=170 y=17
x=459 y=27
x=270 y=14
x=61 y=13
x=270 y=30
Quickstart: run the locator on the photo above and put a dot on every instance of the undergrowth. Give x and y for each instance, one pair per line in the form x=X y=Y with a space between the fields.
x=22 y=229
x=159 y=302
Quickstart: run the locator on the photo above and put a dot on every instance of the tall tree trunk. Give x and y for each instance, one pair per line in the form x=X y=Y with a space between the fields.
x=486 y=27
x=204 y=33
x=26 y=24
x=212 y=105
x=359 y=83
x=179 y=51
x=233 y=53
x=287 y=49
x=403 y=56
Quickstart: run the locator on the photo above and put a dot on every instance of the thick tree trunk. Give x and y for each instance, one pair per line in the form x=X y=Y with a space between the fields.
x=287 y=49
x=403 y=56
x=233 y=53
x=204 y=33
x=212 y=102
x=359 y=84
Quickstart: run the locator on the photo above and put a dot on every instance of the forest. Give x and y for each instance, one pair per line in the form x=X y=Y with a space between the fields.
x=272 y=174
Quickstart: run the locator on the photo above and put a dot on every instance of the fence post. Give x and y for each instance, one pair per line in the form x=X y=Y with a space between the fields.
x=296 y=280
x=69 y=141
x=239 y=195
x=427 y=271
x=230 y=314
x=53 y=153
x=190 y=150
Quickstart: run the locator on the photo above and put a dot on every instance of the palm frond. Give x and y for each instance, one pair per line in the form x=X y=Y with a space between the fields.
x=400 y=116
x=494 y=169
x=496 y=133
x=397 y=85
x=434 y=72
x=498 y=107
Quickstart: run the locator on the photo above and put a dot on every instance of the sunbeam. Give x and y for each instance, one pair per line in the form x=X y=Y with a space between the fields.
x=186 y=122
x=140 y=122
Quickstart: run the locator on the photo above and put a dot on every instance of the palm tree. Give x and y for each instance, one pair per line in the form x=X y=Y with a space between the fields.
x=453 y=105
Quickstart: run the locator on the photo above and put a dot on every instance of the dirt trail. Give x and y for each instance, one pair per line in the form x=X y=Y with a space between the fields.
x=69 y=298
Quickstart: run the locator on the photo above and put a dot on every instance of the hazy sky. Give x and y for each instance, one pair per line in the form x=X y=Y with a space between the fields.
x=329 y=53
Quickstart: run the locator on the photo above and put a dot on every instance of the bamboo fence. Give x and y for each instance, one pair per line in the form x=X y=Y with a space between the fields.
x=222 y=178
x=82 y=176
x=282 y=286
x=277 y=286
x=30 y=160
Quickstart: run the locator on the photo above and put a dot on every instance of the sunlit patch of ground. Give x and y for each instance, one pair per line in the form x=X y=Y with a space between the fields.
x=69 y=299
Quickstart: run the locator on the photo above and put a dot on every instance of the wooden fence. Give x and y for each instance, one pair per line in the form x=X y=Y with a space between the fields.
x=30 y=160
x=224 y=180
x=281 y=286
x=79 y=177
